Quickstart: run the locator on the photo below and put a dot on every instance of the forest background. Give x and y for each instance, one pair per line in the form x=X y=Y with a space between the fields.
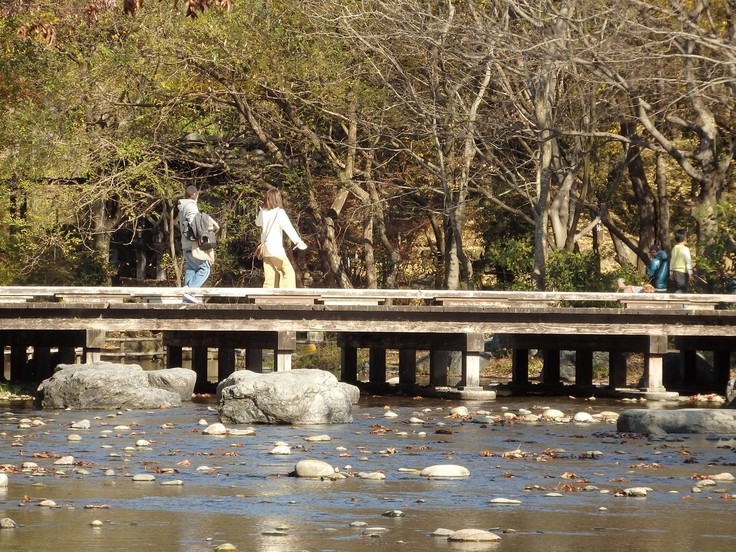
x=508 y=144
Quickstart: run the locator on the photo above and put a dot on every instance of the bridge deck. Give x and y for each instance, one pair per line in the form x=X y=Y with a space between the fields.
x=556 y=320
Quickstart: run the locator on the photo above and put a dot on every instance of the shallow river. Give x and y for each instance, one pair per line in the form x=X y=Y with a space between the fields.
x=234 y=491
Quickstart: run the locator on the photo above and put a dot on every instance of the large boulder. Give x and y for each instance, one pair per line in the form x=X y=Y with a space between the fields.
x=178 y=380
x=103 y=385
x=299 y=397
x=685 y=420
x=731 y=393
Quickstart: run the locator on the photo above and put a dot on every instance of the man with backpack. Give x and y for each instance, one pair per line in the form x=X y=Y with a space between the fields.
x=197 y=271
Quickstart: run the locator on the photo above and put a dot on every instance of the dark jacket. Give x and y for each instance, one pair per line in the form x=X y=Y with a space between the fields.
x=658 y=271
x=204 y=229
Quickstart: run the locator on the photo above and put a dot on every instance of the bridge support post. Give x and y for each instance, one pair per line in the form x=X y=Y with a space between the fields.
x=254 y=359
x=286 y=345
x=174 y=356
x=42 y=361
x=616 y=369
x=584 y=368
x=438 y=361
x=551 y=367
x=408 y=366
x=722 y=367
x=348 y=363
x=520 y=366
x=225 y=362
x=474 y=345
x=377 y=365
x=94 y=342
x=653 y=364
x=199 y=364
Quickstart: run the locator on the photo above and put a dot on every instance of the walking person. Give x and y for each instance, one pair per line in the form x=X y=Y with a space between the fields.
x=658 y=268
x=273 y=221
x=681 y=265
x=197 y=271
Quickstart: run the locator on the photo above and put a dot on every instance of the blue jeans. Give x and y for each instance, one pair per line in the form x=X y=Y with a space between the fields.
x=196 y=272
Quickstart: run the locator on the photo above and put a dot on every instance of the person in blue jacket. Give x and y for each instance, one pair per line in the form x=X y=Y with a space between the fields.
x=659 y=268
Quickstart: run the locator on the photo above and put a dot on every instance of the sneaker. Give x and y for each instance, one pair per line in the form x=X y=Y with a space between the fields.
x=189 y=298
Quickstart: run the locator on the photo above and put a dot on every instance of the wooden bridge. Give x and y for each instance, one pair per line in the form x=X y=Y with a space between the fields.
x=34 y=321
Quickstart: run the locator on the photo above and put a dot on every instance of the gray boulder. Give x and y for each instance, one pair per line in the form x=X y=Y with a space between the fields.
x=298 y=397
x=102 y=385
x=685 y=420
x=178 y=380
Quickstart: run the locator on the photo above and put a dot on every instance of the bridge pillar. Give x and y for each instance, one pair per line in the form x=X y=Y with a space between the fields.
x=722 y=367
x=19 y=362
x=520 y=366
x=474 y=345
x=286 y=345
x=42 y=361
x=551 y=367
x=584 y=368
x=616 y=369
x=199 y=364
x=254 y=359
x=653 y=363
x=408 y=366
x=349 y=363
x=174 y=356
x=225 y=362
x=438 y=362
x=377 y=365
x=94 y=343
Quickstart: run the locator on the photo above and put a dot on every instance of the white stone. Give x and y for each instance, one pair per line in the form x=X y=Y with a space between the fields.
x=281 y=449
x=722 y=477
x=96 y=523
x=74 y=437
x=47 y=503
x=637 y=492
x=237 y=432
x=414 y=420
x=3 y=480
x=313 y=468
x=460 y=411
x=583 y=417
x=81 y=424
x=215 y=429
x=445 y=470
x=553 y=414
x=473 y=535
x=317 y=438
x=374 y=476
x=145 y=477
x=390 y=414
x=142 y=443
x=509 y=501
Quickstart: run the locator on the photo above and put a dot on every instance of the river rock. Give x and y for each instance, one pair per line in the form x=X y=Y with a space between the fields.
x=299 y=397
x=685 y=420
x=3 y=480
x=731 y=393
x=473 y=535
x=445 y=470
x=7 y=523
x=102 y=385
x=178 y=380
x=313 y=468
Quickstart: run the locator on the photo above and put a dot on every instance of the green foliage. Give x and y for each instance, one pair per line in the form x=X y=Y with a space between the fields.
x=573 y=271
x=510 y=261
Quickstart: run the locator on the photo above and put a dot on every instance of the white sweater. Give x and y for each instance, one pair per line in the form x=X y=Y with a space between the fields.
x=273 y=223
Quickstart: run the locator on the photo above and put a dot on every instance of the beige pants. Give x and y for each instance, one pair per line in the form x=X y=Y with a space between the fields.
x=278 y=273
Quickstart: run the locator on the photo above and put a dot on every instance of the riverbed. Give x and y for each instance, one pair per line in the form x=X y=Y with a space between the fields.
x=560 y=484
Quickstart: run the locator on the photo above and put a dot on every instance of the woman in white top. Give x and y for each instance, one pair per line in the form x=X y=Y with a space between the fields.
x=274 y=221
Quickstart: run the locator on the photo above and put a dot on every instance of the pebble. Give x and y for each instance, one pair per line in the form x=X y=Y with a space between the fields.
x=280 y=449
x=96 y=523
x=144 y=477
x=313 y=468
x=74 y=437
x=81 y=424
x=509 y=501
x=317 y=438
x=3 y=480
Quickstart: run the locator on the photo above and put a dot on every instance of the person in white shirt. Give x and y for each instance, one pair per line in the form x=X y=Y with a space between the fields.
x=273 y=221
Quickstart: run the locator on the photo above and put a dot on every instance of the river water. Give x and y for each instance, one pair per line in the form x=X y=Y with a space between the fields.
x=233 y=491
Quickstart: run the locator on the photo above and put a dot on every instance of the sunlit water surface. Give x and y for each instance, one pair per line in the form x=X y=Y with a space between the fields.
x=247 y=498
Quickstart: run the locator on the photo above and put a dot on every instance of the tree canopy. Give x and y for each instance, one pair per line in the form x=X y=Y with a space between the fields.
x=523 y=144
